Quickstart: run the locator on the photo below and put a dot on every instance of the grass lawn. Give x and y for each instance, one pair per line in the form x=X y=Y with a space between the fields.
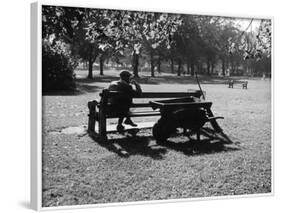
x=77 y=170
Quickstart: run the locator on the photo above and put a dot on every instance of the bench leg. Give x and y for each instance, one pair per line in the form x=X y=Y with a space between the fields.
x=91 y=123
x=102 y=127
x=93 y=118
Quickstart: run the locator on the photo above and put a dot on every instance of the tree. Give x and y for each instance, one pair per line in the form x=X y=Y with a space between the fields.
x=157 y=35
x=57 y=67
x=71 y=25
x=92 y=37
x=95 y=33
x=254 y=44
x=57 y=63
x=255 y=47
x=227 y=31
x=138 y=31
x=208 y=30
x=188 y=44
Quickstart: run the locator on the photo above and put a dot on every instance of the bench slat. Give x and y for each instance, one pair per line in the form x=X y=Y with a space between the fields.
x=159 y=94
x=138 y=114
x=182 y=105
x=139 y=105
x=143 y=125
x=168 y=94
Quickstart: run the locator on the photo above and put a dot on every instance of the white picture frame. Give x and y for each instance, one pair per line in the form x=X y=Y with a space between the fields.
x=36 y=120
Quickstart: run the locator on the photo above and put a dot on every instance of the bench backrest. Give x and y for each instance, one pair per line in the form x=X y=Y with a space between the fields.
x=105 y=94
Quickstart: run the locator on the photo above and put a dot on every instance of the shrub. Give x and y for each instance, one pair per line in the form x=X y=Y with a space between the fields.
x=57 y=68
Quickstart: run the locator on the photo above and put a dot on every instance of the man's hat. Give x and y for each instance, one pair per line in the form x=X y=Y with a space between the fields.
x=124 y=74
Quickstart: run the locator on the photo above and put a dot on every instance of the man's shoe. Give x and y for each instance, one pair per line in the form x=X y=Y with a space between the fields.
x=130 y=122
x=120 y=128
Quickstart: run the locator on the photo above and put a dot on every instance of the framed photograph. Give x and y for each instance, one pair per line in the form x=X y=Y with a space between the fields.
x=133 y=106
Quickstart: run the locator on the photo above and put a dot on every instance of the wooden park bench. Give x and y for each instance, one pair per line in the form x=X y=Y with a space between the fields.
x=243 y=83
x=98 y=113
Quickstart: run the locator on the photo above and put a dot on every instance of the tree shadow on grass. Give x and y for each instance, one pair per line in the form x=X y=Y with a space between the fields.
x=108 y=79
x=159 y=79
x=86 y=88
x=100 y=79
x=62 y=93
x=85 y=85
x=137 y=145
x=80 y=90
x=181 y=80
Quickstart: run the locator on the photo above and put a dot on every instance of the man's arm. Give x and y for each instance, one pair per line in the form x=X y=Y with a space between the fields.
x=137 y=91
x=138 y=87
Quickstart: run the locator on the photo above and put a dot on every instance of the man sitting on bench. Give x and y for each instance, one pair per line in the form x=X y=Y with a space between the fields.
x=121 y=104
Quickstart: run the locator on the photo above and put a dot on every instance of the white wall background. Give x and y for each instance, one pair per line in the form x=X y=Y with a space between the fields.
x=15 y=98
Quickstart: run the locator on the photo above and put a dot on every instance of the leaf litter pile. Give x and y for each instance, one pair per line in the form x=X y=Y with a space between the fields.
x=78 y=170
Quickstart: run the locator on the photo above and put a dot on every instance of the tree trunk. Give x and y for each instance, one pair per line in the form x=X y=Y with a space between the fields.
x=208 y=67
x=232 y=69
x=135 y=64
x=90 y=70
x=101 y=65
x=199 y=67
x=212 y=68
x=90 y=63
x=159 y=65
x=192 y=68
x=152 y=69
x=172 y=65
x=223 y=66
x=179 y=67
x=187 y=67
x=91 y=60
x=152 y=64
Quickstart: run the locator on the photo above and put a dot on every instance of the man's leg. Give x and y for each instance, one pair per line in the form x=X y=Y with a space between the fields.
x=128 y=120
x=120 y=127
x=120 y=120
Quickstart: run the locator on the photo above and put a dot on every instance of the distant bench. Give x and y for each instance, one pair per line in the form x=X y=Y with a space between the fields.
x=98 y=113
x=243 y=83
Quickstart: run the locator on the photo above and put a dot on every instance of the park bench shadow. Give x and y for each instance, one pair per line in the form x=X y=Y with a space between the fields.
x=137 y=145
x=211 y=143
x=140 y=145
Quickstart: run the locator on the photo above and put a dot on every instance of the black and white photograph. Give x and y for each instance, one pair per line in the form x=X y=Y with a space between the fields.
x=149 y=106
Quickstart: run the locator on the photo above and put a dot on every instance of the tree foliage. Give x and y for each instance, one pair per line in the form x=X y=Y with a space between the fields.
x=254 y=45
x=57 y=67
x=135 y=31
x=205 y=44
